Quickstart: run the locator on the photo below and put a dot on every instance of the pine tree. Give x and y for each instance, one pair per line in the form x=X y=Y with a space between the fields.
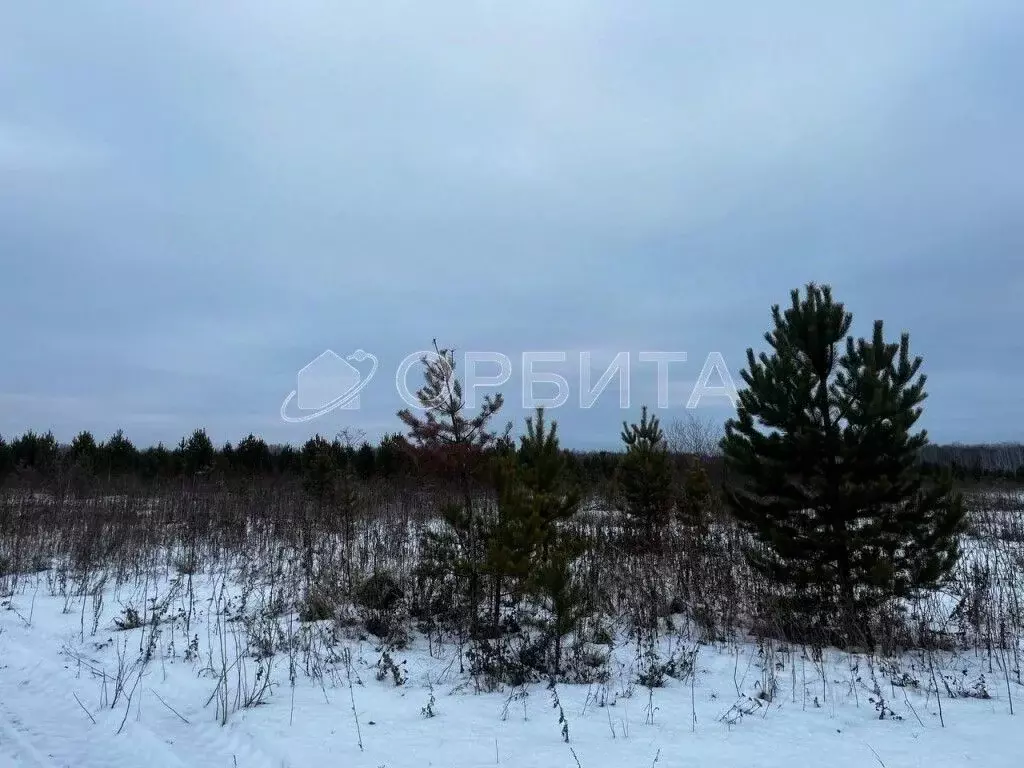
x=364 y=461
x=545 y=477
x=567 y=597
x=319 y=460
x=152 y=463
x=82 y=456
x=552 y=498
x=512 y=537
x=224 y=460
x=392 y=455
x=286 y=460
x=5 y=458
x=319 y=470
x=695 y=496
x=527 y=548
x=645 y=477
x=119 y=454
x=459 y=441
x=831 y=487
x=534 y=495
x=253 y=456
x=84 y=451
x=36 y=452
x=197 y=453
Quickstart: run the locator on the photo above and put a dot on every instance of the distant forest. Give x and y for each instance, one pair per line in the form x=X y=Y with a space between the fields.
x=34 y=457
x=998 y=460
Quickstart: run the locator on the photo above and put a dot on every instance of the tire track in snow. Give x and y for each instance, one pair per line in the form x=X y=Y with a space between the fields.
x=43 y=726
x=15 y=748
x=39 y=715
x=213 y=744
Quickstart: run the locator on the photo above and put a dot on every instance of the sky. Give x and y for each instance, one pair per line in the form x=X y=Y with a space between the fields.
x=199 y=199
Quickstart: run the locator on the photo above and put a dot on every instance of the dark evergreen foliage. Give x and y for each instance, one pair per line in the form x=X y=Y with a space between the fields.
x=84 y=450
x=320 y=460
x=252 y=455
x=5 y=457
x=832 y=488
x=153 y=464
x=197 y=453
x=645 y=480
x=119 y=454
x=35 y=452
x=695 y=496
x=534 y=495
x=365 y=461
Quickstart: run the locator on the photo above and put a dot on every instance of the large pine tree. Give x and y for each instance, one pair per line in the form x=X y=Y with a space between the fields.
x=829 y=480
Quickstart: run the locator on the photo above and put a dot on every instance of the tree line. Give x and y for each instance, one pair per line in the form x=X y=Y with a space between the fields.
x=39 y=456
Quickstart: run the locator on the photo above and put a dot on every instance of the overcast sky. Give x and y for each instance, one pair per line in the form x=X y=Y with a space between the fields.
x=197 y=199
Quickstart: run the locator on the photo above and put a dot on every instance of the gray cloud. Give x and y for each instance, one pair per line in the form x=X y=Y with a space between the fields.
x=195 y=202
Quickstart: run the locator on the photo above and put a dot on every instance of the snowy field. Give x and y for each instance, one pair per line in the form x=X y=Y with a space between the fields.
x=75 y=690
x=176 y=640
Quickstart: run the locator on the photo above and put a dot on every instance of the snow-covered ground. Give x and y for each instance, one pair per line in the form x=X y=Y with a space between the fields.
x=75 y=690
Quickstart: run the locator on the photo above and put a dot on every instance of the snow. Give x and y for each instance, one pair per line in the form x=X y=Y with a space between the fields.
x=59 y=705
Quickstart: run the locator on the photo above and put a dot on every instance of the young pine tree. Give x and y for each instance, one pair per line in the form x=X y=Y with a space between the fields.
x=567 y=598
x=5 y=458
x=118 y=455
x=319 y=460
x=320 y=482
x=252 y=456
x=525 y=546
x=84 y=451
x=545 y=478
x=695 y=497
x=197 y=453
x=512 y=537
x=645 y=477
x=446 y=433
x=830 y=482
x=82 y=457
x=36 y=452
